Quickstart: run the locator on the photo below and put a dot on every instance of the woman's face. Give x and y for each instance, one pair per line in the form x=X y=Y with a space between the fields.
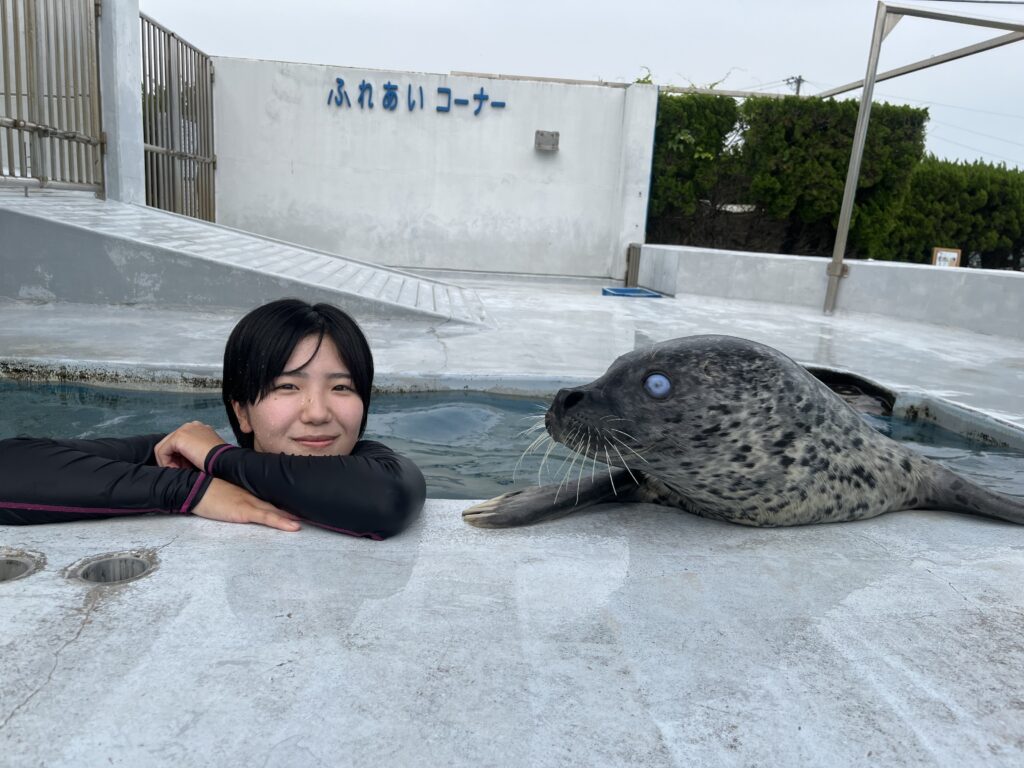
x=309 y=412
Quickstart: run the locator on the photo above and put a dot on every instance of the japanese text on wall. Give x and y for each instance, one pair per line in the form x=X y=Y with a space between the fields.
x=415 y=98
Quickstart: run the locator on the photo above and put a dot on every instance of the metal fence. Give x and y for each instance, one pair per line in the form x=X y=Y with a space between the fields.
x=50 y=107
x=177 y=122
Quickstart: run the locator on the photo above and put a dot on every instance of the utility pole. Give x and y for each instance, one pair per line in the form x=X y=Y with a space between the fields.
x=796 y=82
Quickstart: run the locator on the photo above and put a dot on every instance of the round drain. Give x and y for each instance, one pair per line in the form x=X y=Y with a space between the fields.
x=18 y=563
x=12 y=568
x=113 y=569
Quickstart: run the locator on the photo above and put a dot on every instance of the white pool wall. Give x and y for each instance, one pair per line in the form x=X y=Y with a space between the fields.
x=984 y=301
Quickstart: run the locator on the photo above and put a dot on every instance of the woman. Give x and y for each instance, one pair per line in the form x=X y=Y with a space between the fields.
x=297 y=385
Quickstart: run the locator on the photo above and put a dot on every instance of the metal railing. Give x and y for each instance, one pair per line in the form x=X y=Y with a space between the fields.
x=50 y=132
x=177 y=123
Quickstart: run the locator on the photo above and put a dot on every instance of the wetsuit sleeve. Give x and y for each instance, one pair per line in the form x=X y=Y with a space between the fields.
x=55 y=481
x=374 y=492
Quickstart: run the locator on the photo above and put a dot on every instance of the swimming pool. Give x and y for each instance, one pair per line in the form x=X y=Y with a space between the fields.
x=466 y=443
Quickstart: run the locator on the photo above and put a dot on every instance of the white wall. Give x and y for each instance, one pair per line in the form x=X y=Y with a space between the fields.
x=419 y=188
x=985 y=301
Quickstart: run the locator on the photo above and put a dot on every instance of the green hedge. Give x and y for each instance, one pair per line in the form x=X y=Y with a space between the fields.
x=768 y=175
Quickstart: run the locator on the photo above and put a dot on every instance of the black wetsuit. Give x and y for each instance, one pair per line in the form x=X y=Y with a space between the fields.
x=373 y=492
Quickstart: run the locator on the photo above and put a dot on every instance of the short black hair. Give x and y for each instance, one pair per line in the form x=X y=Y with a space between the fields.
x=260 y=345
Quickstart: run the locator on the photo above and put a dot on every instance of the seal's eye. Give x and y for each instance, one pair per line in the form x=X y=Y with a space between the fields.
x=658 y=385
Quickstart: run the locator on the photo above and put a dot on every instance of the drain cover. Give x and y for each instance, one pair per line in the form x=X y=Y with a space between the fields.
x=12 y=568
x=113 y=569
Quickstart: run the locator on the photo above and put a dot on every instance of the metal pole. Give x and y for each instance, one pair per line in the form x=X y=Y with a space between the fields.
x=19 y=111
x=7 y=133
x=959 y=53
x=836 y=270
x=174 y=95
x=51 y=105
x=96 y=104
x=64 y=85
x=34 y=83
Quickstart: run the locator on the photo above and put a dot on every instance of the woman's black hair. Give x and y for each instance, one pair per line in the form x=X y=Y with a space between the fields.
x=260 y=345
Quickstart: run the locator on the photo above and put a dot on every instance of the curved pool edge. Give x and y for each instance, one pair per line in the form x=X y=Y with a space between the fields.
x=914 y=405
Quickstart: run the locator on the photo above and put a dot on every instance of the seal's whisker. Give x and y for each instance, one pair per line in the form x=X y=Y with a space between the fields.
x=540 y=469
x=622 y=442
x=630 y=449
x=593 y=466
x=608 y=464
x=529 y=449
x=537 y=441
x=626 y=466
x=568 y=474
x=566 y=442
x=577 y=442
x=531 y=417
x=583 y=466
x=538 y=423
x=626 y=434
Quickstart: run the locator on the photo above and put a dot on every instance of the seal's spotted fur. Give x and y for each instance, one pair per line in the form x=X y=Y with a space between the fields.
x=745 y=435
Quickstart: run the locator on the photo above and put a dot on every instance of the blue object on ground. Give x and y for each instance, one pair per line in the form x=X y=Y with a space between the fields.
x=646 y=293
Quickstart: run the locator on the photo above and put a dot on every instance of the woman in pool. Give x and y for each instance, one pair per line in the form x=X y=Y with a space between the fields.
x=297 y=383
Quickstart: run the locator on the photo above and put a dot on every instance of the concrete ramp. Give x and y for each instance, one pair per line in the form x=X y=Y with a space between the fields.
x=70 y=246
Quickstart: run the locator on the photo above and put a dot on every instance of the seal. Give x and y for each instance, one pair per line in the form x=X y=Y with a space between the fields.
x=731 y=429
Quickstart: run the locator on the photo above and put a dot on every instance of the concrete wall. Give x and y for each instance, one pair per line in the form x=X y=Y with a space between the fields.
x=985 y=301
x=422 y=188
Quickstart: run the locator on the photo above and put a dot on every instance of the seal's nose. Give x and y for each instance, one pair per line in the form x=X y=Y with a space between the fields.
x=564 y=401
x=571 y=398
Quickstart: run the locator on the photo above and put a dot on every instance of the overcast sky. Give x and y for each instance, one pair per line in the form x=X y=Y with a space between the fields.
x=976 y=104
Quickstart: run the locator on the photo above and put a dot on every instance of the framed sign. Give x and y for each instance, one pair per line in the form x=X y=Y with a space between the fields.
x=946 y=257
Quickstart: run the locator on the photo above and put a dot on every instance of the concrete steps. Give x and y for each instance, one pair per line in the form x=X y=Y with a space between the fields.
x=230 y=267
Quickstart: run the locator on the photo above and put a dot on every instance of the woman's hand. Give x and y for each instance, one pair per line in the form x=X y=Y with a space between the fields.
x=187 y=447
x=231 y=504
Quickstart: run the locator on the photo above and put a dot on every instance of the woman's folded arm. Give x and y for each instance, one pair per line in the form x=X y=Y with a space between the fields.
x=373 y=492
x=52 y=481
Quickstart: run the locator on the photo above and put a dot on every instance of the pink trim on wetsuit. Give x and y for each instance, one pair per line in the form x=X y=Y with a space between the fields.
x=219 y=451
x=365 y=535
x=192 y=493
x=82 y=510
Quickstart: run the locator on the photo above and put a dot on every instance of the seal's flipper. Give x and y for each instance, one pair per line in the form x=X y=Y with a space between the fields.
x=531 y=505
x=944 y=489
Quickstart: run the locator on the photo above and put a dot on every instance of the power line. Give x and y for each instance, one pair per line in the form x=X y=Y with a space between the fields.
x=975 y=149
x=762 y=86
x=977 y=133
x=951 y=106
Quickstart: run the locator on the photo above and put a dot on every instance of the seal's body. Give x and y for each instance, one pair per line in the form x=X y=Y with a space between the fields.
x=731 y=429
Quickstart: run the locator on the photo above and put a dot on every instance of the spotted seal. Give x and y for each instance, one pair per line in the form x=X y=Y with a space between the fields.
x=731 y=429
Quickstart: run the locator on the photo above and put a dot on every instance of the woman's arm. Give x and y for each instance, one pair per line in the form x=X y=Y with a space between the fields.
x=374 y=492
x=52 y=481
x=57 y=481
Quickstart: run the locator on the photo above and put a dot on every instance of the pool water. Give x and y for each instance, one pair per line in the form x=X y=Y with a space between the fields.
x=466 y=443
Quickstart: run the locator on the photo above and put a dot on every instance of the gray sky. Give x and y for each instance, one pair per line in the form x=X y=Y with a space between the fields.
x=976 y=105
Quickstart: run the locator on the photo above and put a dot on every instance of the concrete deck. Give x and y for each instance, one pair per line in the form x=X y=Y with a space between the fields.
x=626 y=636
x=621 y=636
